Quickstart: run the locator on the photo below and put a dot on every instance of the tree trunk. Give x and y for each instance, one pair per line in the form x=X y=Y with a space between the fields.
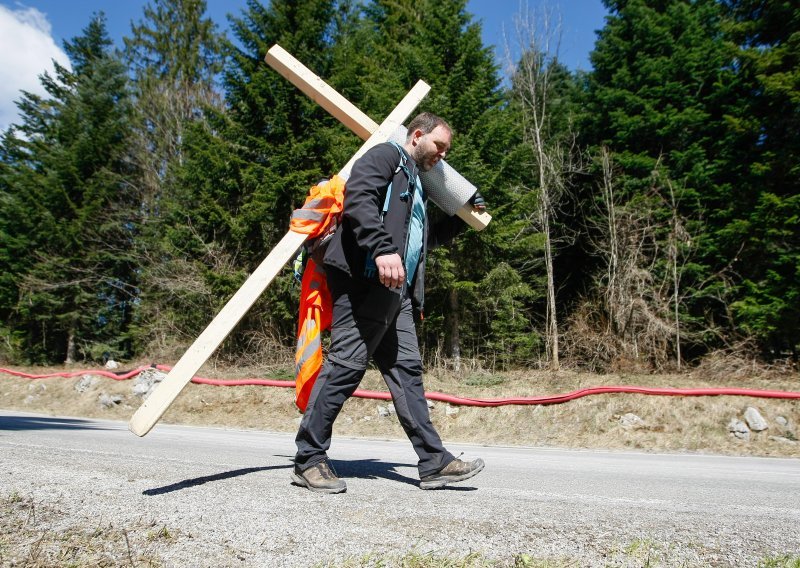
x=552 y=320
x=455 y=338
x=71 y=349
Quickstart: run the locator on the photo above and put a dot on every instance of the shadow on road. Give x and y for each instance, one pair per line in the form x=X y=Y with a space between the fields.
x=376 y=469
x=372 y=469
x=186 y=483
x=47 y=423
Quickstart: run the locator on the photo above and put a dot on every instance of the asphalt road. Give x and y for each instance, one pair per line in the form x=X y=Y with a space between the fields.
x=225 y=497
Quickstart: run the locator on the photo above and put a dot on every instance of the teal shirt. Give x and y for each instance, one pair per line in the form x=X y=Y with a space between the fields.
x=415 y=232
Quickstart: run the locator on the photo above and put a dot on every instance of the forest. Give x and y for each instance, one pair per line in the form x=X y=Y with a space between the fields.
x=646 y=213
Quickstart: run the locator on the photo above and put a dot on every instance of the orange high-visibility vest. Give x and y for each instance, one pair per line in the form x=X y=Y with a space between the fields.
x=317 y=218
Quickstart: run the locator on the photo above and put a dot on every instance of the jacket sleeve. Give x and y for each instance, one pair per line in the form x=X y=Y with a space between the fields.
x=364 y=195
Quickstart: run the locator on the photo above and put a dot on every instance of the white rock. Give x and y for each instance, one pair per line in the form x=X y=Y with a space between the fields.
x=145 y=381
x=107 y=401
x=141 y=389
x=86 y=382
x=111 y=365
x=630 y=421
x=430 y=404
x=739 y=429
x=383 y=411
x=754 y=420
x=451 y=410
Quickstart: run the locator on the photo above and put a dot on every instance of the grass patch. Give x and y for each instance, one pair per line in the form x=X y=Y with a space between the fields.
x=484 y=381
x=787 y=561
x=282 y=374
x=38 y=535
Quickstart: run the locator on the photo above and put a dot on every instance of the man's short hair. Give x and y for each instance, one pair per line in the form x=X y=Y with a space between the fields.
x=426 y=122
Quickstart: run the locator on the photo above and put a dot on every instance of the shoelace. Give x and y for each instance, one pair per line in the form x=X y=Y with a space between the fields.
x=327 y=471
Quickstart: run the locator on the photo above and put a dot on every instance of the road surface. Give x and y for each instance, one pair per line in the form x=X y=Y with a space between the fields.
x=224 y=498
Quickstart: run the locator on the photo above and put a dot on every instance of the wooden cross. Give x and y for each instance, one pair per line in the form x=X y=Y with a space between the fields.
x=363 y=126
x=221 y=326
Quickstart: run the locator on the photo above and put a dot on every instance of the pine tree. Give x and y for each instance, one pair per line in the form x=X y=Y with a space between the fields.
x=65 y=176
x=175 y=54
x=762 y=159
x=654 y=101
x=440 y=43
x=248 y=167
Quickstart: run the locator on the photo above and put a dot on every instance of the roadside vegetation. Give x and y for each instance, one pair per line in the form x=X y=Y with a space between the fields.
x=644 y=211
x=602 y=421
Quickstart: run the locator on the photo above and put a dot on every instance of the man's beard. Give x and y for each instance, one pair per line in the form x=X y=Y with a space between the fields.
x=426 y=162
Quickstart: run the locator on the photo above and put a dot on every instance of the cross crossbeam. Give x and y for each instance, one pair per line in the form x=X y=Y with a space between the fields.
x=450 y=190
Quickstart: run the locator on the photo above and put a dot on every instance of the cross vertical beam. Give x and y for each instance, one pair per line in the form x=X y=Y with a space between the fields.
x=221 y=326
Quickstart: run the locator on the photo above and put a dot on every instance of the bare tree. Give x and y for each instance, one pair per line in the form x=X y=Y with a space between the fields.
x=175 y=54
x=643 y=258
x=533 y=82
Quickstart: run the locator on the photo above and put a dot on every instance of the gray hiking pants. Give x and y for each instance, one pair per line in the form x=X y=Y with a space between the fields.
x=370 y=321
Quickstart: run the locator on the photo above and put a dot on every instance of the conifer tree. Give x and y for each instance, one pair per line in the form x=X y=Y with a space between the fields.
x=65 y=178
x=762 y=159
x=654 y=100
x=440 y=43
x=247 y=168
x=175 y=54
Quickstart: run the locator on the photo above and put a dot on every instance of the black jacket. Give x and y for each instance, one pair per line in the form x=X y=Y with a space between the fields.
x=362 y=234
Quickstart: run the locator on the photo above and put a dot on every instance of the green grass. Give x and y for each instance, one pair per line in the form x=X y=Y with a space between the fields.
x=787 y=561
x=485 y=381
x=430 y=560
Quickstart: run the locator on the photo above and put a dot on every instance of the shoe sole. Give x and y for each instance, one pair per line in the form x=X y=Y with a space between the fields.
x=298 y=480
x=441 y=482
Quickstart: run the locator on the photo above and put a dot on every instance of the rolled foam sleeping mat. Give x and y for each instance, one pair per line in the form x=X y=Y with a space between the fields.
x=447 y=188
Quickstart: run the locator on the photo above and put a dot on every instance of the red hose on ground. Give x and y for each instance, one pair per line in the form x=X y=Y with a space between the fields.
x=441 y=397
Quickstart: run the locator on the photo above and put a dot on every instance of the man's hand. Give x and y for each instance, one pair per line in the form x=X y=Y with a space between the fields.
x=391 y=272
x=477 y=201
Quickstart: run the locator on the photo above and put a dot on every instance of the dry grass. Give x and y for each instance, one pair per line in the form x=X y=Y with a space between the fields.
x=38 y=535
x=642 y=553
x=673 y=424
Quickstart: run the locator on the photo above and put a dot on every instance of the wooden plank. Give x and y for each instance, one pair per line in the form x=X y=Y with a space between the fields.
x=220 y=327
x=320 y=92
x=390 y=125
x=476 y=219
x=346 y=112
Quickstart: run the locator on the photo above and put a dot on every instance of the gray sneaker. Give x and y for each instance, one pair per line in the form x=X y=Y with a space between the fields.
x=456 y=470
x=320 y=478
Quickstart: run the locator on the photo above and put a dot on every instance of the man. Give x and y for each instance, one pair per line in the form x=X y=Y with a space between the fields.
x=375 y=271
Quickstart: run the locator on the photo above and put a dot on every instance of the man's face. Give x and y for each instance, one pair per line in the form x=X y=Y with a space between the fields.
x=432 y=147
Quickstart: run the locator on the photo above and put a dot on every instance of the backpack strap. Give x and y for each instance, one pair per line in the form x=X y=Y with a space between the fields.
x=370 y=269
